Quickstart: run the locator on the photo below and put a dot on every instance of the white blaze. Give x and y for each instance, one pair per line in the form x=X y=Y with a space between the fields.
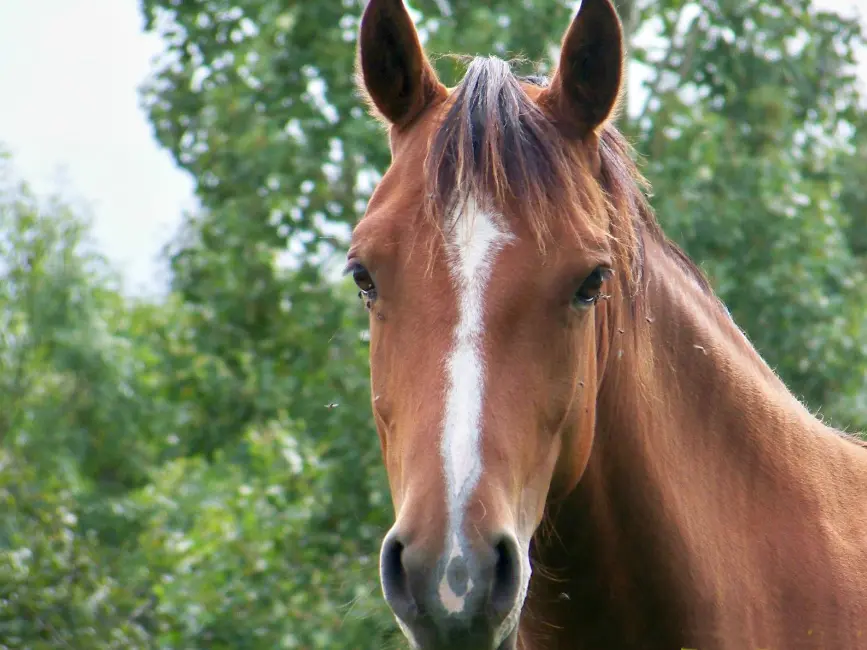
x=476 y=238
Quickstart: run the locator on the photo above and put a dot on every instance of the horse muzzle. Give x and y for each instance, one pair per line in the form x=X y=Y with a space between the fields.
x=462 y=599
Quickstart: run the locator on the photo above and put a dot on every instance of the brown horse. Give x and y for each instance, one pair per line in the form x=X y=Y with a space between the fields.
x=558 y=392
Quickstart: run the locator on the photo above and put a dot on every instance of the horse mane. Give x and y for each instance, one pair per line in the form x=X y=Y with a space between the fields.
x=853 y=438
x=496 y=143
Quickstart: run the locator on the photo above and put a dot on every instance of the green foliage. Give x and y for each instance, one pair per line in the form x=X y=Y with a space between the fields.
x=76 y=428
x=745 y=130
x=242 y=557
x=59 y=587
x=70 y=378
x=742 y=130
x=149 y=463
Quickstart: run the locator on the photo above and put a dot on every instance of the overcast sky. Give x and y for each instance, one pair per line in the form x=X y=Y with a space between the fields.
x=69 y=73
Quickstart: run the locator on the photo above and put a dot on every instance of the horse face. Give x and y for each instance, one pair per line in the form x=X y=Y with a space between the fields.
x=485 y=346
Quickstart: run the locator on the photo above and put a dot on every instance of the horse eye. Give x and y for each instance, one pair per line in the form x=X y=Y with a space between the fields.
x=363 y=281
x=591 y=289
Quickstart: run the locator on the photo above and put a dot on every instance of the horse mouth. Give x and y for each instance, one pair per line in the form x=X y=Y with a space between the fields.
x=463 y=640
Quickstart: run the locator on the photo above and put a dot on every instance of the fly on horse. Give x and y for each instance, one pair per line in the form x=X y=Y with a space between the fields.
x=583 y=449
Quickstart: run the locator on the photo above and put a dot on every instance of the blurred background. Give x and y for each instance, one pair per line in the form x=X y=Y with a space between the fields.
x=187 y=458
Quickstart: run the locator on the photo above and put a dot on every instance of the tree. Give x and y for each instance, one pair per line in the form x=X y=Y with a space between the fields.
x=744 y=130
x=125 y=524
x=79 y=428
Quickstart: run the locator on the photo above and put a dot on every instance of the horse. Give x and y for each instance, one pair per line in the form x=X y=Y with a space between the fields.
x=583 y=449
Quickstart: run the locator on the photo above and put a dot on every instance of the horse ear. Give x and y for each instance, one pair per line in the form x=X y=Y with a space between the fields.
x=395 y=73
x=586 y=85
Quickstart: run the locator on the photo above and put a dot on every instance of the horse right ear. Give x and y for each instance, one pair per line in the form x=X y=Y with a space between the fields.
x=395 y=73
x=585 y=88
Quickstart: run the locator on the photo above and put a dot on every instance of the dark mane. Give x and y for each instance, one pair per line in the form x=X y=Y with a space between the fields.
x=495 y=142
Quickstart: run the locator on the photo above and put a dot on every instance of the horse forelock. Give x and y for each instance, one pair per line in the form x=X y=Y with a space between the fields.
x=494 y=143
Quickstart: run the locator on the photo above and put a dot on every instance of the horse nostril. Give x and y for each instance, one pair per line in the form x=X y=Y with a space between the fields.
x=507 y=577
x=392 y=567
x=395 y=582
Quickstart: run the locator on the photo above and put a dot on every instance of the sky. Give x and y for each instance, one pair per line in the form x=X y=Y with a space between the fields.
x=71 y=117
x=70 y=72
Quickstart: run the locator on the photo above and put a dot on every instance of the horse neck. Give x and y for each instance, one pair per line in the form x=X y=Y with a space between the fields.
x=703 y=465
x=693 y=394
x=698 y=407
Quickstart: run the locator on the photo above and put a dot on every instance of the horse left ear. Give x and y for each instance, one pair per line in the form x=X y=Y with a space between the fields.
x=586 y=85
x=395 y=73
